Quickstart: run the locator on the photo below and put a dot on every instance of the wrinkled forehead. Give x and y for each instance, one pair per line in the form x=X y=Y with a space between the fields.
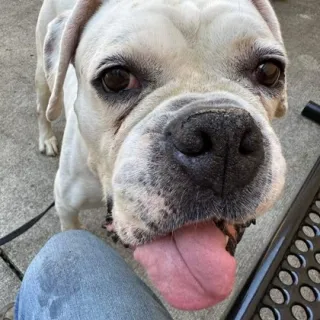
x=170 y=30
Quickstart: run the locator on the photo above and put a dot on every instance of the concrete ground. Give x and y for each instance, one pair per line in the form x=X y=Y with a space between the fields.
x=26 y=177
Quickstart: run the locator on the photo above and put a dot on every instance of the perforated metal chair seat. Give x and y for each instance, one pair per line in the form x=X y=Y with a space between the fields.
x=286 y=282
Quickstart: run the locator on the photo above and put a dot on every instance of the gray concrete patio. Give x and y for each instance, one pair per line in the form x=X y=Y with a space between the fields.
x=26 y=177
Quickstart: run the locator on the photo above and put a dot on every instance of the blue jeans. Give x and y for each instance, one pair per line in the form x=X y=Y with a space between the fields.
x=77 y=276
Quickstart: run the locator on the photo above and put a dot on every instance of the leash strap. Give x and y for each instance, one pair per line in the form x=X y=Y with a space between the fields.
x=18 y=232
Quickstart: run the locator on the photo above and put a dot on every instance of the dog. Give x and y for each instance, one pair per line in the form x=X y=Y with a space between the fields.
x=168 y=108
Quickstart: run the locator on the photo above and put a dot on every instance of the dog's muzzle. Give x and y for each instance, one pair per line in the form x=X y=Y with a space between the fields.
x=221 y=149
x=205 y=171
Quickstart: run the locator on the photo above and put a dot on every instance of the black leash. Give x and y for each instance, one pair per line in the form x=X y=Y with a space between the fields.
x=18 y=232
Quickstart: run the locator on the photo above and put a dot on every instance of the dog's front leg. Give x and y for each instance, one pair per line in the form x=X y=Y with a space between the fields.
x=75 y=192
x=48 y=143
x=68 y=216
x=67 y=202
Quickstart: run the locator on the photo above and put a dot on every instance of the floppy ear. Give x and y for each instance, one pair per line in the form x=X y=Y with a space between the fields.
x=51 y=47
x=266 y=10
x=269 y=16
x=79 y=16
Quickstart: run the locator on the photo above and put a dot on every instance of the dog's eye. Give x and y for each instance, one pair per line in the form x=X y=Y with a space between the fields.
x=268 y=74
x=119 y=79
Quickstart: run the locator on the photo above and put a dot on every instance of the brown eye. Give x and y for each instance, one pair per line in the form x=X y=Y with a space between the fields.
x=268 y=74
x=118 y=79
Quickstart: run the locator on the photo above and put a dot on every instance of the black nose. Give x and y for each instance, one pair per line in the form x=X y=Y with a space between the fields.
x=220 y=149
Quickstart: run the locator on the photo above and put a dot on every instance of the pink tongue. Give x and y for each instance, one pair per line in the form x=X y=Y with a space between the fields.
x=191 y=269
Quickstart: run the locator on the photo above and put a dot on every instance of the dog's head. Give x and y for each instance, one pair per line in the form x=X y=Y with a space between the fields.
x=174 y=102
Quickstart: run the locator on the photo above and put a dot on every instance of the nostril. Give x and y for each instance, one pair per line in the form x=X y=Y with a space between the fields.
x=200 y=143
x=191 y=143
x=248 y=143
x=206 y=143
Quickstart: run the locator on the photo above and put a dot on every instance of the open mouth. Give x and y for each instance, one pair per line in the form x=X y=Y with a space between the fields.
x=193 y=267
x=233 y=233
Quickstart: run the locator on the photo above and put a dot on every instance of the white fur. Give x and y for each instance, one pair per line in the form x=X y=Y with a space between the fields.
x=190 y=40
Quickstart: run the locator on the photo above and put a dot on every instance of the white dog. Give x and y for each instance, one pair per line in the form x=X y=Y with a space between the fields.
x=168 y=106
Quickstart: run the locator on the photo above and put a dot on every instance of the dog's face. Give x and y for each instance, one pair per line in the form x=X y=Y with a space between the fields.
x=175 y=101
